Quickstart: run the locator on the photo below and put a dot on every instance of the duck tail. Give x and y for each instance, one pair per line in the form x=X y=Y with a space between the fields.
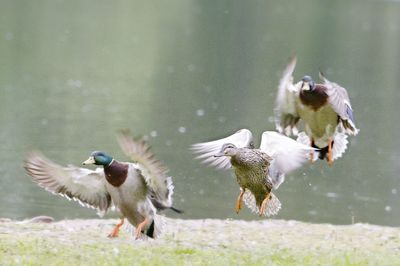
x=156 y=227
x=169 y=202
x=170 y=188
x=272 y=208
x=339 y=144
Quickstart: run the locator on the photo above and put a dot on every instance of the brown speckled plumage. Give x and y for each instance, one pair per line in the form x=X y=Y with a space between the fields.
x=251 y=169
x=257 y=171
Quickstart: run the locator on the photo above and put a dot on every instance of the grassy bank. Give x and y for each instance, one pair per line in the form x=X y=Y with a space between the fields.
x=199 y=242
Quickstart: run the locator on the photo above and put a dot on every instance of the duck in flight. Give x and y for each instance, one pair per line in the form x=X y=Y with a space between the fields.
x=324 y=108
x=138 y=189
x=258 y=171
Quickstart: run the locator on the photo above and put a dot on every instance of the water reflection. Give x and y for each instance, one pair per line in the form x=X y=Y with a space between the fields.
x=73 y=73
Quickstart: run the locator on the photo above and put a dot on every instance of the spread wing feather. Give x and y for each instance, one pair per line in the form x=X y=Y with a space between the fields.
x=153 y=170
x=287 y=155
x=286 y=116
x=340 y=102
x=206 y=150
x=81 y=184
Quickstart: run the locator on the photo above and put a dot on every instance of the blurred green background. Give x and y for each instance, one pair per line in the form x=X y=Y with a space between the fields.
x=184 y=71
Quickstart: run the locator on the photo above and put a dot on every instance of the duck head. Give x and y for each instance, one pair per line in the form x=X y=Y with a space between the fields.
x=98 y=158
x=308 y=84
x=228 y=149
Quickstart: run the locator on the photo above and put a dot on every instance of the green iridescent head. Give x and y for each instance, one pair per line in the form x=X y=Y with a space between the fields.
x=98 y=158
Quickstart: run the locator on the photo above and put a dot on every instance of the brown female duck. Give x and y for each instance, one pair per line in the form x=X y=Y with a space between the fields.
x=257 y=171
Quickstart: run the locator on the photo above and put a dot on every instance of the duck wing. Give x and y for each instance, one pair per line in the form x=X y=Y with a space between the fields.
x=206 y=150
x=340 y=102
x=153 y=170
x=286 y=116
x=287 y=155
x=83 y=185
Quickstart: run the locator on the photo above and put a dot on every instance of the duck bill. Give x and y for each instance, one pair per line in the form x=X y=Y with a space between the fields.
x=219 y=154
x=306 y=86
x=89 y=161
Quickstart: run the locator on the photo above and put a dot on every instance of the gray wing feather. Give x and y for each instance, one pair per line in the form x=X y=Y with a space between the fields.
x=153 y=170
x=340 y=102
x=286 y=116
x=206 y=150
x=81 y=184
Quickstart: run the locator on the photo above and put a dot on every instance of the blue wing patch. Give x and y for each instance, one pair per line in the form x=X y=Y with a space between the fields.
x=350 y=114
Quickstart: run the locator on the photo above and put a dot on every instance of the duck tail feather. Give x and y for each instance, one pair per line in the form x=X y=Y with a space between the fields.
x=339 y=144
x=159 y=224
x=272 y=208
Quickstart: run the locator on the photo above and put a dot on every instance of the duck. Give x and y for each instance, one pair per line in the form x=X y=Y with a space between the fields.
x=324 y=108
x=137 y=189
x=257 y=171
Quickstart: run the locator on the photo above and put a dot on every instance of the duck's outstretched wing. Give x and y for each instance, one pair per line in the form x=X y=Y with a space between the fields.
x=286 y=116
x=153 y=170
x=207 y=150
x=287 y=155
x=83 y=185
x=340 y=102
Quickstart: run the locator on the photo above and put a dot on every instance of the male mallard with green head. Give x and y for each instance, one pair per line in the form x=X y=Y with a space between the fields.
x=257 y=171
x=136 y=189
x=324 y=108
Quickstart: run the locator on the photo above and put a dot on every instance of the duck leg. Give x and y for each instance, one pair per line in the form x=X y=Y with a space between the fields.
x=239 y=201
x=115 y=232
x=139 y=228
x=330 y=153
x=312 y=152
x=264 y=203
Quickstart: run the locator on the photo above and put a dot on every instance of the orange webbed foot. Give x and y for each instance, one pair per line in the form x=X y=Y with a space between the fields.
x=264 y=203
x=139 y=228
x=239 y=201
x=329 y=158
x=115 y=231
x=312 y=152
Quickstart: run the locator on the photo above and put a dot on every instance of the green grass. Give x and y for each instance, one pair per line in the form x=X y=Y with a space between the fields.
x=55 y=244
x=50 y=252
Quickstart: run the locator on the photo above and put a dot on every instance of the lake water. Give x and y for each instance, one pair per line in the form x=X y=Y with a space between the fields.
x=74 y=72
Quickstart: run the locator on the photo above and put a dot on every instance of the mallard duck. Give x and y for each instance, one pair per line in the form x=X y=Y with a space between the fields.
x=324 y=108
x=136 y=189
x=257 y=171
